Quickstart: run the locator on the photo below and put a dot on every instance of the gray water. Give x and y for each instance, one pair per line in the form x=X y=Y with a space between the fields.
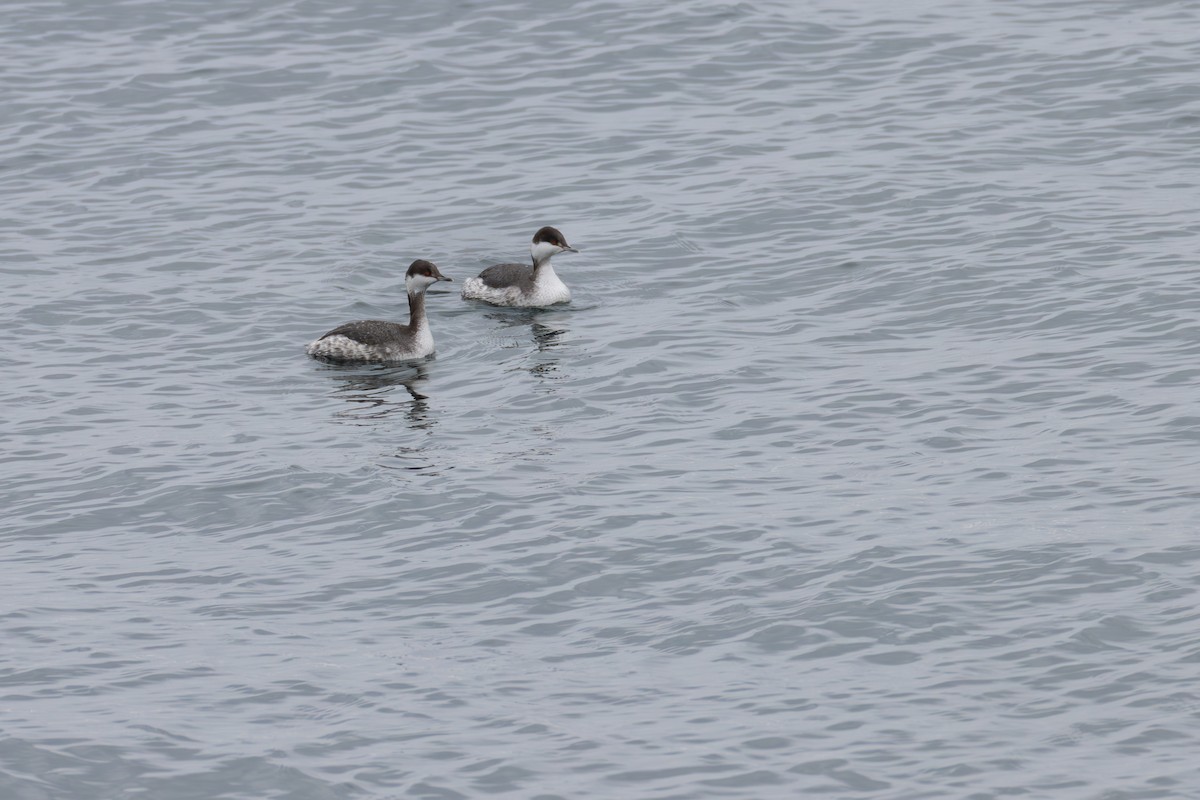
x=863 y=464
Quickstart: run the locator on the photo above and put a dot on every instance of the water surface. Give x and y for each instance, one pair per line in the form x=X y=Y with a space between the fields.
x=863 y=463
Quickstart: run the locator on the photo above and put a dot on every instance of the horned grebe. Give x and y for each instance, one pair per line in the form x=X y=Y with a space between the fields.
x=375 y=340
x=522 y=284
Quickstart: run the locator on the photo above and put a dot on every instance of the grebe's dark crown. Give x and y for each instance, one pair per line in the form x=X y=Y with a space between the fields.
x=425 y=269
x=551 y=236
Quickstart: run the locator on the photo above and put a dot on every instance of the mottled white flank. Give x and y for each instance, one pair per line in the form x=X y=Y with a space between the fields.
x=547 y=290
x=343 y=348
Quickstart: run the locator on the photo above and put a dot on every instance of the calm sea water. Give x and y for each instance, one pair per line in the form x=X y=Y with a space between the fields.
x=864 y=463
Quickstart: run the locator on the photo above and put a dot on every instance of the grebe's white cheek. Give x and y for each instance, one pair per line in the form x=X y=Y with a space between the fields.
x=543 y=250
x=418 y=282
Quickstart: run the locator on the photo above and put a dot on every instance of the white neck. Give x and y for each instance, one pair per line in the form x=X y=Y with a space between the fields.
x=422 y=338
x=548 y=288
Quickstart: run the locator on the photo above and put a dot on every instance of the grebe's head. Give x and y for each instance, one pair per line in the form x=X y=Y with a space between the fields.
x=548 y=242
x=421 y=275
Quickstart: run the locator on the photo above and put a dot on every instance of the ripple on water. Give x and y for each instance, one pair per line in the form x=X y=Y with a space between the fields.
x=860 y=465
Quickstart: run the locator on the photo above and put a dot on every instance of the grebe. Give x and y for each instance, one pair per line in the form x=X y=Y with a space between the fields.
x=522 y=284
x=376 y=340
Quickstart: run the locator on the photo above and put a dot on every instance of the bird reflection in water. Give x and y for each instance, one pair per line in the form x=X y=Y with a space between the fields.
x=371 y=391
x=547 y=335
